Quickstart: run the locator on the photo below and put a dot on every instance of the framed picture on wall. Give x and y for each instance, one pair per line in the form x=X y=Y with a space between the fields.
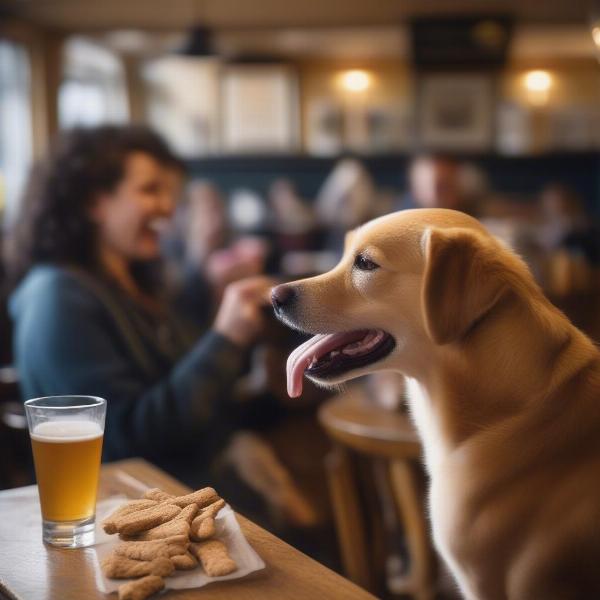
x=455 y=111
x=324 y=127
x=259 y=108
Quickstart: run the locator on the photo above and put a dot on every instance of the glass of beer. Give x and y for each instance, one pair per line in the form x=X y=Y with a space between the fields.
x=66 y=438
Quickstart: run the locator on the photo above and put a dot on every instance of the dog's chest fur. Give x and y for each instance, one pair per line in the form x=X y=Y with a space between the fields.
x=440 y=499
x=427 y=424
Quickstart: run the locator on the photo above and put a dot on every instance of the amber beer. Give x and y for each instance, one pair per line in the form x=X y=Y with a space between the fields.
x=67 y=463
x=66 y=439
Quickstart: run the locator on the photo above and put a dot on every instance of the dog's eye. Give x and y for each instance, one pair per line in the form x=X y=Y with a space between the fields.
x=363 y=263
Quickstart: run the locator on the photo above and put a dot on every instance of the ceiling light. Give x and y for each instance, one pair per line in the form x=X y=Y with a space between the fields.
x=538 y=81
x=355 y=80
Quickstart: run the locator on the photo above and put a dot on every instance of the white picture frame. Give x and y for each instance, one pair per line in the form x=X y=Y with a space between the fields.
x=259 y=109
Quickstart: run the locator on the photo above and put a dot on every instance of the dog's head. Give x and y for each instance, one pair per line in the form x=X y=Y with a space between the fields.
x=408 y=283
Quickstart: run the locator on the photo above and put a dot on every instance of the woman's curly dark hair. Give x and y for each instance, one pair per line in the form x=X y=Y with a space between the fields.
x=54 y=225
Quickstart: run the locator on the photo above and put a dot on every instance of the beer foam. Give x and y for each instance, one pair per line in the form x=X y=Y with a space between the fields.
x=66 y=431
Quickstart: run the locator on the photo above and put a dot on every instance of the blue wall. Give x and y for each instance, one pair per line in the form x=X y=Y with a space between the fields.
x=520 y=177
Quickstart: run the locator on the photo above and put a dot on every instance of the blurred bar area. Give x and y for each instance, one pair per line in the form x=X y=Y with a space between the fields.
x=250 y=96
x=281 y=126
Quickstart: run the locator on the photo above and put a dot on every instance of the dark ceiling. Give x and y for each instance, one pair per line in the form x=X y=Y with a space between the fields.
x=232 y=14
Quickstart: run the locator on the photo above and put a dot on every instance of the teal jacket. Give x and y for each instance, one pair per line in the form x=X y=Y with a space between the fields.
x=167 y=392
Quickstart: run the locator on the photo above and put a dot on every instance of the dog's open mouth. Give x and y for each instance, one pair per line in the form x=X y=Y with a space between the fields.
x=326 y=356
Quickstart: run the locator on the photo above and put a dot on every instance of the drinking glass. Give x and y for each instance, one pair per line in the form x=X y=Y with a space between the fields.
x=66 y=437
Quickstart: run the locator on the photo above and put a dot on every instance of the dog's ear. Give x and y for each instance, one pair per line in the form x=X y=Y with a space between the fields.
x=461 y=282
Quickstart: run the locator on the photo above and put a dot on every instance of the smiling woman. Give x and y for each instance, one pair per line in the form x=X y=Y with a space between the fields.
x=90 y=199
x=88 y=317
x=128 y=220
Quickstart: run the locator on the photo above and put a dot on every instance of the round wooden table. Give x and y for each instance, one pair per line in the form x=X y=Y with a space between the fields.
x=359 y=426
x=355 y=421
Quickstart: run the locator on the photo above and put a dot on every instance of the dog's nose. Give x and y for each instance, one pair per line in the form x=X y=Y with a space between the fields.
x=282 y=295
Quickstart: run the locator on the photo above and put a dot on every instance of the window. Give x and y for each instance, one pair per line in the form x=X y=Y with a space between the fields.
x=15 y=125
x=93 y=90
x=182 y=101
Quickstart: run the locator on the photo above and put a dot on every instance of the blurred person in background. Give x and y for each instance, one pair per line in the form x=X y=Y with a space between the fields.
x=204 y=256
x=90 y=316
x=204 y=221
x=294 y=230
x=570 y=240
x=210 y=244
x=290 y=214
x=347 y=199
x=438 y=181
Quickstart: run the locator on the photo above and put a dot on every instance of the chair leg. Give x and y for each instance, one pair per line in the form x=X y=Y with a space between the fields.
x=349 y=523
x=403 y=478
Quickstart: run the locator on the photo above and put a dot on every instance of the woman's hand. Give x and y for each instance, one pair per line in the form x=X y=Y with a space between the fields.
x=240 y=318
x=245 y=258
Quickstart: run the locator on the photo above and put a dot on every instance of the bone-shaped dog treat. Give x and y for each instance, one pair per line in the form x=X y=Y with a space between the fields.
x=150 y=550
x=214 y=558
x=188 y=513
x=121 y=567
x=140 y=589
x=135 y=505
x=202 y=498
x=157 y=531
x=204 y=530
x=184 y=562
x=157 y=495
x=212 y=510
x=203 y=526
x=145 y=519
x=166 y=530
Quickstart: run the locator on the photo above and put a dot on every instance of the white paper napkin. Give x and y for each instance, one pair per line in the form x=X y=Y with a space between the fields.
x=227 y=530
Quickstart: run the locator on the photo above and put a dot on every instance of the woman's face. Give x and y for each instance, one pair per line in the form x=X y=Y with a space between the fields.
x=131 y=217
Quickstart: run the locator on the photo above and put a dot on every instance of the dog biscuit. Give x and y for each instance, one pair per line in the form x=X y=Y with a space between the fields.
x=145 y=519
x=169 y=529
x=157 y=495
x=212 y=510
x=140 y=589
x=149 y=550
x=203 y=530
x=135 y=505
x=121 y=567
x=202 y=498
x=188 y=513
x=203 y=526
x=183 y=562
x=215 y=560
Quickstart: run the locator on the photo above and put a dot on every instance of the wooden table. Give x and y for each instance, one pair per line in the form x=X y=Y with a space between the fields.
x=29 y=570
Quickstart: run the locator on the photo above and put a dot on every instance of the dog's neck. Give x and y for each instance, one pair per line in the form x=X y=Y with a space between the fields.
x=469 y=387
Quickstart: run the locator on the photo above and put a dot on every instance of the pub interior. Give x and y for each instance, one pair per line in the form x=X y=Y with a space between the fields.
x=249 y=138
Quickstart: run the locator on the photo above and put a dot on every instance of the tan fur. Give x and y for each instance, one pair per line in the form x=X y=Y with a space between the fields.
x=504 y=390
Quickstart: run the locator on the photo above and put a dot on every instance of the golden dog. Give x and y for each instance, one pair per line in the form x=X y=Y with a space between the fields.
x=504 y=391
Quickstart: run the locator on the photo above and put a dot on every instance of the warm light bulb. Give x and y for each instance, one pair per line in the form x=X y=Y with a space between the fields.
x=538 y=81
x=596 y=35
x=355 y=80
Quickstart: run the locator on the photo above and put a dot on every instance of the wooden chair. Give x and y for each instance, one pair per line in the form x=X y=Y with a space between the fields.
x=359 y=428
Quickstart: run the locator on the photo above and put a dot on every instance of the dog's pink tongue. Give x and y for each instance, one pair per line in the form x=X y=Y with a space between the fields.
x=319 y=345
x=297 y=363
